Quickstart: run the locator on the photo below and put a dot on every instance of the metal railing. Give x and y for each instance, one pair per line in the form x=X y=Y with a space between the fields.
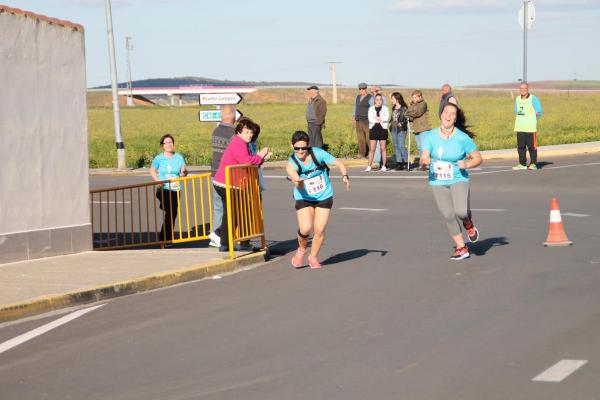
x=244 y=205
x=132 y=216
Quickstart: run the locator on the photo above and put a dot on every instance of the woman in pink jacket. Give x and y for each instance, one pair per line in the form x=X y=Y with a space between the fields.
x=237 y=153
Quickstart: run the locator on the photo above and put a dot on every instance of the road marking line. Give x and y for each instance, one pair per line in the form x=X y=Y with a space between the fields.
x=559 y=371
x=489 y=209
x=576 y=215
x=9 y=344
x=360 y=177
x=363 y=209
x=425 y=176
x=541 y=169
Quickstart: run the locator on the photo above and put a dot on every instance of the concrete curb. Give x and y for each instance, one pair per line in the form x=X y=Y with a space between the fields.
x=504 y=154
x=158 y=280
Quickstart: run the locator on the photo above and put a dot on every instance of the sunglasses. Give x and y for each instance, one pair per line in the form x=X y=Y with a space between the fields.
x=300 y=148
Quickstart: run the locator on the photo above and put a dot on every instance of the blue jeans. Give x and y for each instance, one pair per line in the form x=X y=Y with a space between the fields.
x=217 y=211
x=398 y=138
x=419 y=140
x=377 y=155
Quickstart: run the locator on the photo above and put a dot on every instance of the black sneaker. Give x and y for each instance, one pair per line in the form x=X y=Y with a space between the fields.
x=472 y=232
x=460 y=254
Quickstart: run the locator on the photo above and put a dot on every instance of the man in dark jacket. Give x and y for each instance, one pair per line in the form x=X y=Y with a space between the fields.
x=446 y=97
x=315 y=116
x=221 y=137
x=361 y=119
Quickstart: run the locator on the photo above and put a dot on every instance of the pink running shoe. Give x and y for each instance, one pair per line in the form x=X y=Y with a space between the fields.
x=298 y=259
x=313 y=263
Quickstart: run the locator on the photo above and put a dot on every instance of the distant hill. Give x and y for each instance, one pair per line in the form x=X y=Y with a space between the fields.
x=548 y=85
x=193 y=81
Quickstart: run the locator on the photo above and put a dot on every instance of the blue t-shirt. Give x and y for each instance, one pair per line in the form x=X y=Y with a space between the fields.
x=168 y=167
x=445 y=153
x=317 y=186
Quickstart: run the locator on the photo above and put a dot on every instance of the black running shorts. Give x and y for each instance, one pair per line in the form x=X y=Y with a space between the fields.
x=327 y=203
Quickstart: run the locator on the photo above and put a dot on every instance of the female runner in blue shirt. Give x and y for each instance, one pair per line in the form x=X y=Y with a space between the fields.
x=450 y=151
x=313 y=192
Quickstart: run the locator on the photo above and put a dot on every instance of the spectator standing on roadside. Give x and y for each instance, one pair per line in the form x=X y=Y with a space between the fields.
x=375 y=90
x=221 y=137
x=446 y=97
x=236 y=153
x=398 y=129
x=315 y=116
x=360 y=117
x=528 y=110
x=379 y=116
x=166 y=166
x=419 y=116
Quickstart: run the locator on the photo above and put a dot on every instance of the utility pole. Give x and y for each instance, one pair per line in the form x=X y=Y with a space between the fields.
x=129 y=48
x=333 y=79
x=121 y=164
x=525 y=9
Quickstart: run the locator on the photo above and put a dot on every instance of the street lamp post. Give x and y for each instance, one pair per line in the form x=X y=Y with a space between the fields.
x=121 y=164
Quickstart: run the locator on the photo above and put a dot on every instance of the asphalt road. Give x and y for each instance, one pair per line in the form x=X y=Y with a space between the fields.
x=388 y=317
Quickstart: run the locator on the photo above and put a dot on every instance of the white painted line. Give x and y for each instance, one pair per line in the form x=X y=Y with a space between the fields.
x=362 y=177
x=576 y=215
x=489 y=209
x=9 y=344
x=541 y=169
x=362 y=209
x=559 y=371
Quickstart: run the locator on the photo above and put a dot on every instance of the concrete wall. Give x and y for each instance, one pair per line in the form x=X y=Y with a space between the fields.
x=44 y=206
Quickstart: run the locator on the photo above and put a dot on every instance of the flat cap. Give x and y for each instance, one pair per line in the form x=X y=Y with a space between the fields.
x=312 y=87
x=362 y=85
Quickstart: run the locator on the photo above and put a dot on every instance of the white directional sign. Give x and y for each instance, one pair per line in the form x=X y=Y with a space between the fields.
x=220 y=98
x=530 y=15
x=215 y=115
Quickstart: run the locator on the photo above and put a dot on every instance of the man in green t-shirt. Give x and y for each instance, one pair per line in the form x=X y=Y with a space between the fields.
x=528 y=110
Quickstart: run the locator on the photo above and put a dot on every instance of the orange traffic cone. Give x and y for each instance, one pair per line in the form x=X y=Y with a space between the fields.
x=556 y=232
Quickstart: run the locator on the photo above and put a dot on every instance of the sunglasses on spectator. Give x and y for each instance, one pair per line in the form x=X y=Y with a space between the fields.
x=297 y=148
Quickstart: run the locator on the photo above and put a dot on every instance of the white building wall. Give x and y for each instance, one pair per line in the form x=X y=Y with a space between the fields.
x=44 y=207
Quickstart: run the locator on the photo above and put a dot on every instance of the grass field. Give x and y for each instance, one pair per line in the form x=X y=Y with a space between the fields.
x=568 y=118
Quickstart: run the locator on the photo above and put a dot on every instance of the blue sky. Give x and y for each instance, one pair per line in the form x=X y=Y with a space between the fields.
x=421 y=43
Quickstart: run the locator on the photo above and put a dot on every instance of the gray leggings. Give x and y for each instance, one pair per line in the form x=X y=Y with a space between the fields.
x=454 y=204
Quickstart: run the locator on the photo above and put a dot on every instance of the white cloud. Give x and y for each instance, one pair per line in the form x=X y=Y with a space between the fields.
x=457 y=6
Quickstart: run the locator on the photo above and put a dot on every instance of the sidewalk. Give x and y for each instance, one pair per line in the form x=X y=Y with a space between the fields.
x=42 y=285
x=505 y=154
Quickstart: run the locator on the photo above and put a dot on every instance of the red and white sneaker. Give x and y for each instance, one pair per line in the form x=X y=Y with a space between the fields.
x=313 y=263
x=472 y=232
x=460 y=253
x=298 y=259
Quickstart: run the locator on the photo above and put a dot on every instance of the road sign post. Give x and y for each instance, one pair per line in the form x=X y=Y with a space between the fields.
x=526 y=17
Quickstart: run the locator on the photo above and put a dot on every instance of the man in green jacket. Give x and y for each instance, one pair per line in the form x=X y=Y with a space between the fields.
x=528 y=110
x=418 y=115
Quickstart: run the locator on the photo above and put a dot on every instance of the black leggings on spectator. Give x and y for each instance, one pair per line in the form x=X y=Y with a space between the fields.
x=170 y=205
